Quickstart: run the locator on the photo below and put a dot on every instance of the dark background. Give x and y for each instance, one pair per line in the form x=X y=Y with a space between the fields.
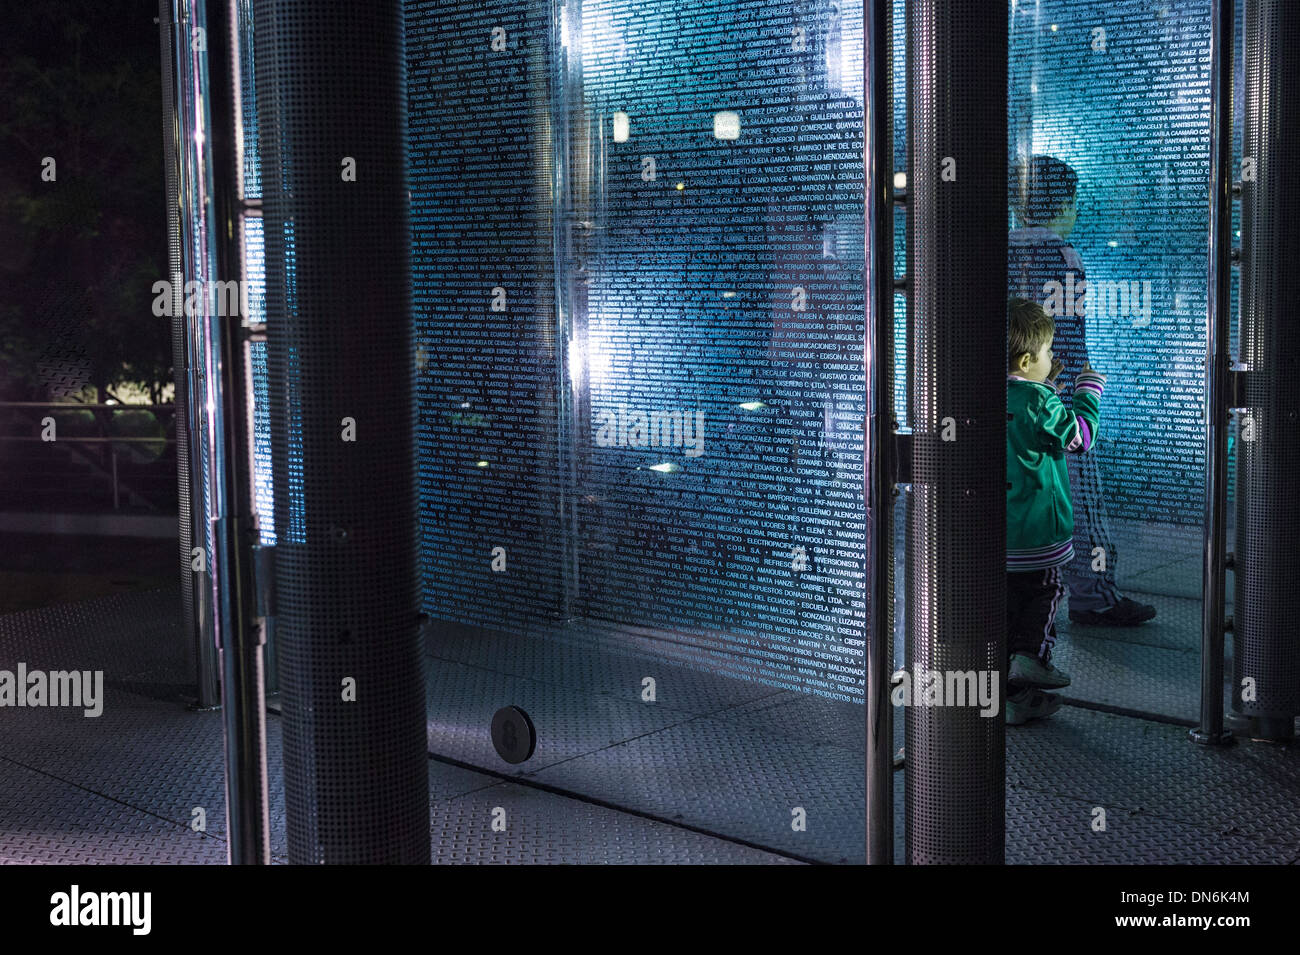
x=80 y=81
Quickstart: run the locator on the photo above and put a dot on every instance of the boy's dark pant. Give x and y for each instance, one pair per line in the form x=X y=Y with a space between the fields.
x=1032 y=601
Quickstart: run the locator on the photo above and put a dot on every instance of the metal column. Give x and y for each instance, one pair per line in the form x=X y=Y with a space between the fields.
x=172 y=149
x=877 y=447
x=331 y=93
x=1266 y=640
x=956 y=524
x=191 y=260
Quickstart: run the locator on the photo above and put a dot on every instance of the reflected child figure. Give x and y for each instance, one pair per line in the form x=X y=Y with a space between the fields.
x=1041 y=432
x=1044 y=268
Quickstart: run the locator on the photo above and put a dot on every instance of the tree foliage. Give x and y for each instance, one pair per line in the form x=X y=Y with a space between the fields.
x=80 y=82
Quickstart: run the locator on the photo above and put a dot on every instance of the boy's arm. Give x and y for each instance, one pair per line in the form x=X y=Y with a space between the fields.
x=1075 y=429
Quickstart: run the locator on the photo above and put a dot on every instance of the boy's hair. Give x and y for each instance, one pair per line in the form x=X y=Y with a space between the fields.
x=1040 y=188
x=1028 y=329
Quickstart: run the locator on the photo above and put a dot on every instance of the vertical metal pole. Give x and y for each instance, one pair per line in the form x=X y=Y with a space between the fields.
x=877 y=446
x=956 y=528
x=240 y=630
x=1210 y=730
x=1265 y=641
x=195 y=264
x=172 y=151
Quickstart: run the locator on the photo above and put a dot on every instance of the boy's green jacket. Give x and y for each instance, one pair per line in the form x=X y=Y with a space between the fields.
x=1041 y=430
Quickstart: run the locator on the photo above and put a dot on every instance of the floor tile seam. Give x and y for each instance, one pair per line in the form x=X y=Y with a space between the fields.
x=531 y=782
x=1127 y=713
x=648 y=733
x=496 y=782
x=113 y=799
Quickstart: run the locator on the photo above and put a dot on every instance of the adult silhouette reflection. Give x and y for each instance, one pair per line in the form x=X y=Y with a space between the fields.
x=1044 y=268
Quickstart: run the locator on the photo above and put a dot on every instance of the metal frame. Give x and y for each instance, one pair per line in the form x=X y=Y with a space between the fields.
x=1217 y=390
x=223 y=344
x=188 y=180
x=877 y=450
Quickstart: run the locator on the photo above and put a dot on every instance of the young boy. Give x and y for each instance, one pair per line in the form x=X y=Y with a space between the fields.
x=1043 y=267
x=1041 y=430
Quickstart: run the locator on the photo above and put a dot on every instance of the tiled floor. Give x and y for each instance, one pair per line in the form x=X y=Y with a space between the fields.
x=710 y=772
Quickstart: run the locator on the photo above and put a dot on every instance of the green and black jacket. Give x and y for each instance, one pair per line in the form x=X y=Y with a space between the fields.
x=1041 y=430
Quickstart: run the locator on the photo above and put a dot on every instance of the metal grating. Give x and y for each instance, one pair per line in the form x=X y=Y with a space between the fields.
x=1240 y=804
x=46 y=820
x=119 y=788
x=131 y=637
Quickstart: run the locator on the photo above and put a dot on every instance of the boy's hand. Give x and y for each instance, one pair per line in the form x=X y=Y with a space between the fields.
x=1093 y=373
x=1057 y=367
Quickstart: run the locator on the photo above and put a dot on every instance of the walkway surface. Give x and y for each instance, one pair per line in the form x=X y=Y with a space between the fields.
x=709 y=774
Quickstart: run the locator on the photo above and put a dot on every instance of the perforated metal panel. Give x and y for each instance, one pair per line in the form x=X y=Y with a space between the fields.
x=1266 y=640
x=331 y=98
x=956 y=524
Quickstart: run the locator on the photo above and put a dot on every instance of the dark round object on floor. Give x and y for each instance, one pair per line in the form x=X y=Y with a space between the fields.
x=513 y=734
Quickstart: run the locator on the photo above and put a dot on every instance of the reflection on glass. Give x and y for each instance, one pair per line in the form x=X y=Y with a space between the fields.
x=1109 y=119
x=638 y=277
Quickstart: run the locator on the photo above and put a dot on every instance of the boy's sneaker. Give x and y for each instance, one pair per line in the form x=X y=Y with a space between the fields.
x=1026 y=668
x=1126 y=613
x=1029 y=703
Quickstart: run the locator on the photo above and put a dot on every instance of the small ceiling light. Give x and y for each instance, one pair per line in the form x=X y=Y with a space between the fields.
x=726 y=125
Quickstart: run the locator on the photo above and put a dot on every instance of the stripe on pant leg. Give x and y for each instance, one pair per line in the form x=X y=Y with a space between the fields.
x=1053 y=576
